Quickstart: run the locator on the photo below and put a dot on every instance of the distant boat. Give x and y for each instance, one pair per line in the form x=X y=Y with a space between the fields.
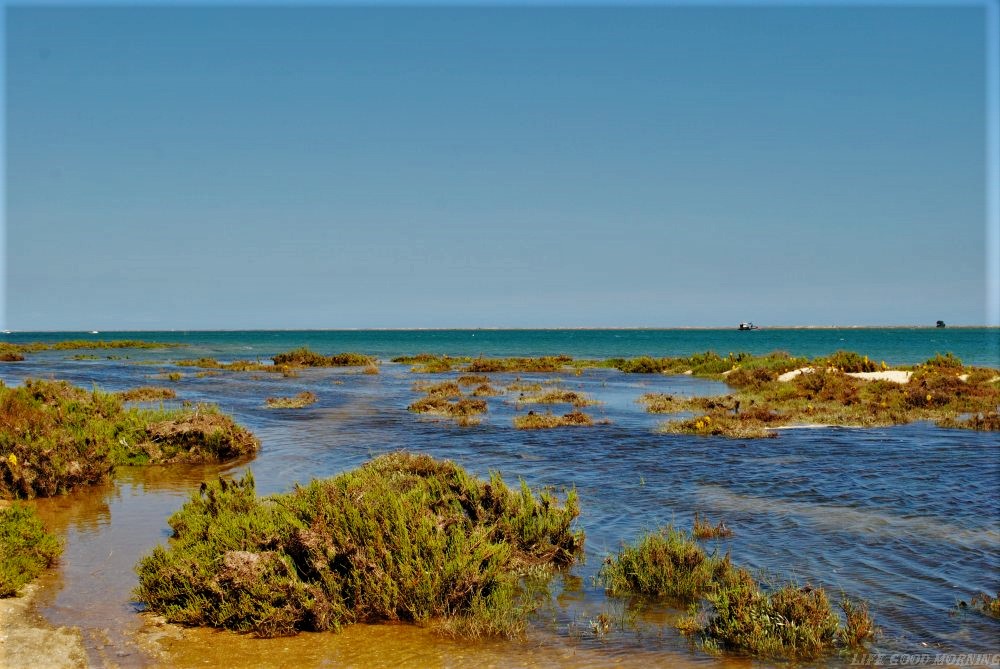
x=93 y=332
x=748 y=326
x=940 y=324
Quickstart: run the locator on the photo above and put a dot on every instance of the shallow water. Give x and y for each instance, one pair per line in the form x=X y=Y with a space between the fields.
x=907 y=517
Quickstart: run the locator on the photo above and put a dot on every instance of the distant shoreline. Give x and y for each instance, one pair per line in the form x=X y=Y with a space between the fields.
x=762 y=328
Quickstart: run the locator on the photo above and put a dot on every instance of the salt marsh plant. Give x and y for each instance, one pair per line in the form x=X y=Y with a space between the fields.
x=304 y=357
x=789 y=621
x=666 y=563
x=558 y=396
x=989 y=605
x=429 y=363
x=25 y=548
x=441 y=389
x=472 y=379
x=785 y=621
x=402 y=538
x=704 y=529
x=303 y=399
x=548 y=363
x=486 y=390
x=55 y=437
x=146 y=394
x=548 y=420
x=441 y=406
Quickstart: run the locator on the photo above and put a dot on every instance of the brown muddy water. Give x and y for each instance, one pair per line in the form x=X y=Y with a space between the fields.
x=905 y=517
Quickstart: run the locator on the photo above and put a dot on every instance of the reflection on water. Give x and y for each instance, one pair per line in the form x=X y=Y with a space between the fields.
x=907 y=517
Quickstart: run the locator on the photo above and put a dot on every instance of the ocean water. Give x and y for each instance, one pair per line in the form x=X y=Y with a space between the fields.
x=898 y=346
x=906 y=517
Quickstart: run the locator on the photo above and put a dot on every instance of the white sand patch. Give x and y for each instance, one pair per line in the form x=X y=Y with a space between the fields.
x=788 y=376
x=894 y=375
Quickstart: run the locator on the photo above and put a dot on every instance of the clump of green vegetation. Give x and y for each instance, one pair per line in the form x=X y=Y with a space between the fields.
x=989 y=605
x=303 y=399
x=73 y=344
x=548 y=363
x=786 y=622
x=441 y=389
x=55 y=437
x=746 y=425
x=791 y=621
x=519 y=386
x=402 y=538
x=429 y=363
x=661 y=403
x=441 y=406
x=486 y=390
x=10 y=352
x=304 y=357
x=558 y=396
x=146 y=394
x=940 y=390
x=25 y=548
x=666 y=563
x=945 y=362
x=204 y=363
x=644 y=365
x=472 y=380
x=84 y=356
x=547 y=420
x=174 y=376
x=848 y=361
x=704 y=529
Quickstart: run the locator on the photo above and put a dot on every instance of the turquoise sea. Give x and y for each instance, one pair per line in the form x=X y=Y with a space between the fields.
x=905 y=517
x=978 y=346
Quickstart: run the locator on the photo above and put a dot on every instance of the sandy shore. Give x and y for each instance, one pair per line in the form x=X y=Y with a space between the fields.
x=28 y=641
x=894 y=375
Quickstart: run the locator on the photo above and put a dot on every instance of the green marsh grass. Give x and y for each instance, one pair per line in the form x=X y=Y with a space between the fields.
x=402 y=538
x=26 y=549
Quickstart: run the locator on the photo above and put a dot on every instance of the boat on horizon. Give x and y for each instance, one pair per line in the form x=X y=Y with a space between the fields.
x=748 y=325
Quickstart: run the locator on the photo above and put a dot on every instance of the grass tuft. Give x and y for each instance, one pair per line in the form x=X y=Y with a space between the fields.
x=665 y=563
x=704 y=529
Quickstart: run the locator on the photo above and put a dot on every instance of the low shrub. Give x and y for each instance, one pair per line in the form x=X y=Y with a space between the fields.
x=402 y=538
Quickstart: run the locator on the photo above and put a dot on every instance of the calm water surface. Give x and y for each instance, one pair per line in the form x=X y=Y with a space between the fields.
x=907 y=517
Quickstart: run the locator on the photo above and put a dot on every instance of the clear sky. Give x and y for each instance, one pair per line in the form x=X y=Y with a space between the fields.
x=333 y=167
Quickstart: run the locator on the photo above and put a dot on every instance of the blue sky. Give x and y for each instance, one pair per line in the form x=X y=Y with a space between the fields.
x=335 y=167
